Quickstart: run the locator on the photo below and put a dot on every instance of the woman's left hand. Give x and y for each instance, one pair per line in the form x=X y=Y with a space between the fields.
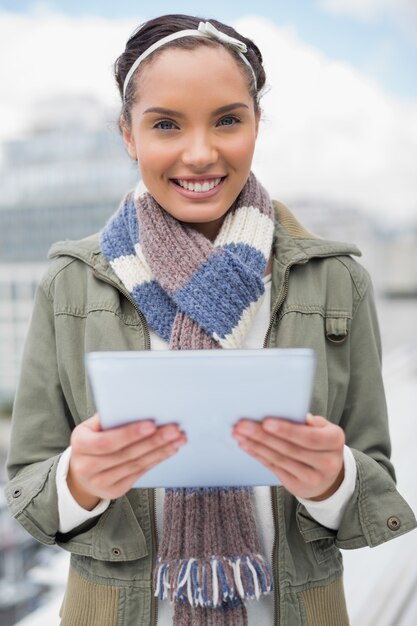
x=307 y=458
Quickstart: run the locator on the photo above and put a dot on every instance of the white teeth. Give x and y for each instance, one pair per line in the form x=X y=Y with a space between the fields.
x=199 y=187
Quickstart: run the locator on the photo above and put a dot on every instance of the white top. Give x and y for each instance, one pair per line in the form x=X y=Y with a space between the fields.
x=327 y=512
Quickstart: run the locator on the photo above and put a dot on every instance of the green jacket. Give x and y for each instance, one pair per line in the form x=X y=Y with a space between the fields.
x=321 y=298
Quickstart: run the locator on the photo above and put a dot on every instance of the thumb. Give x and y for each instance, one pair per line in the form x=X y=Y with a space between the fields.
x=316 y=420
x=93 y=423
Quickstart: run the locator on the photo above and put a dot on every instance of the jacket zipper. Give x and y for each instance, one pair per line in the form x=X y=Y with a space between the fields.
x=275 y=558
x=277 y=305
x=151 y=492
x=279 y=301
x=154 y=530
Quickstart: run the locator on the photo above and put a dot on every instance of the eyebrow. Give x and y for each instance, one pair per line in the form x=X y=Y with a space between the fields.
x=224 y=109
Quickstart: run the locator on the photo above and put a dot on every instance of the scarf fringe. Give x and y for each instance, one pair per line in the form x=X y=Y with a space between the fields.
x=213 y=582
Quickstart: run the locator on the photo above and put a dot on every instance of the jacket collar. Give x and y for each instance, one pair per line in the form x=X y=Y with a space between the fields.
x=293 y=240
x=295 y=245
x=89 y=251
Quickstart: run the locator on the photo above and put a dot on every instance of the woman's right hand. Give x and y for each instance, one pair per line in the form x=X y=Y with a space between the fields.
x=105 y=464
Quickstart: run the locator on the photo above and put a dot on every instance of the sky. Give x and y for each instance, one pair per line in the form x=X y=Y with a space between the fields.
x=340 y=116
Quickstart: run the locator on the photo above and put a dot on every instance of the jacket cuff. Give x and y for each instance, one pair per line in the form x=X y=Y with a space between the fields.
x=375 y=513
x=29 y=493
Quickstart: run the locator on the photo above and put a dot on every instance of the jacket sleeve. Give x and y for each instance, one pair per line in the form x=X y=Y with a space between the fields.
x=41 y=430
x=376 y=511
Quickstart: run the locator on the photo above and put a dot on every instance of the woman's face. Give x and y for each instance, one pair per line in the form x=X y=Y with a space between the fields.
x=193 y=131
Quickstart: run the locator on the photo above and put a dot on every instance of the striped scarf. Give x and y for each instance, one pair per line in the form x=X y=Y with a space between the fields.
x=197 y=294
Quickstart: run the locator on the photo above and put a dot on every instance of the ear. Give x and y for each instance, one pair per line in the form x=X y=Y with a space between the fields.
x=128 y=138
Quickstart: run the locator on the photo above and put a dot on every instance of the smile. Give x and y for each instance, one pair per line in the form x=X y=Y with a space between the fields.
x=199 y=186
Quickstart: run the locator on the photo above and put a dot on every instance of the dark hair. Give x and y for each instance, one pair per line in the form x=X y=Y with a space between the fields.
x=152 y=31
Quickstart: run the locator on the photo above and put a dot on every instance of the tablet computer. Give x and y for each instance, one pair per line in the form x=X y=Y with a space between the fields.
x=206 y=392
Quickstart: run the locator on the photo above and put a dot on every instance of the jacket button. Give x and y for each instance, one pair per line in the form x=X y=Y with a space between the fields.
x=116 y=552
x=394 y=523
x=16 y=493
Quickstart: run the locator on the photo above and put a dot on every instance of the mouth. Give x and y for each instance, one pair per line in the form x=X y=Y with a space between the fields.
x=202 y=185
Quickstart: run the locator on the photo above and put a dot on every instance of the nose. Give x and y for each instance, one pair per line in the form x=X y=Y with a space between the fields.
x=199 y=150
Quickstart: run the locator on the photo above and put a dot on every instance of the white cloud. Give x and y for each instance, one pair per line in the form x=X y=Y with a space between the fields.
x=329 y=133
x=332 y=133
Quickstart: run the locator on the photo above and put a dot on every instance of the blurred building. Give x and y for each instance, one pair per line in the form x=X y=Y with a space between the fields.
x=18 y=283
x=398 y=253
x=389 y=252
x=63 y=181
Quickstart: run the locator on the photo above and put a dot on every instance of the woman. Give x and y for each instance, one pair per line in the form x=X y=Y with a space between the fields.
x=199 y=257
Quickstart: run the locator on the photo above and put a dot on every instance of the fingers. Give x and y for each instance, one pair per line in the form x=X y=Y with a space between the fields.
x=302 y=446
x=170 y=434
x=307 y=458
x=90 y=464
x=274 y=460
x=88 y=437
x=317 y=434
x=136 y=467
x=293 y=460
x=316 y=420
x=105 y=464
x=119 y=488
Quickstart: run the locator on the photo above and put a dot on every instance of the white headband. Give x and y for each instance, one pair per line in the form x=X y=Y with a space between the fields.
x=205 y=29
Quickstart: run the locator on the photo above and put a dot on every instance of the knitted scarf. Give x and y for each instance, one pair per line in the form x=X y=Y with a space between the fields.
x=197 y=294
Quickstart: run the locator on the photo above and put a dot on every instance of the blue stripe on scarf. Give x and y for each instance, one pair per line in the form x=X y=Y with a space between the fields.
x=254 y=259
x=121 y=233
x=161 y=574
x=182 y=591
x=205 y=295
x=157 y=308
x=248 y=575
x=226 y=591
x=194 y=580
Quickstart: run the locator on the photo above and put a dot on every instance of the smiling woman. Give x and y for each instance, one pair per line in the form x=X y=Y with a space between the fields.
x=198 y=256
x=192 y=130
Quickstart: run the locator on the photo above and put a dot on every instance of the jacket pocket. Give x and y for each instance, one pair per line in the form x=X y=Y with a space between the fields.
x=325 y=549
x=116 y=537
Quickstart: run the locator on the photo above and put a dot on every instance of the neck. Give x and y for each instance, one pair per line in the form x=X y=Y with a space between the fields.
x=208 y=229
